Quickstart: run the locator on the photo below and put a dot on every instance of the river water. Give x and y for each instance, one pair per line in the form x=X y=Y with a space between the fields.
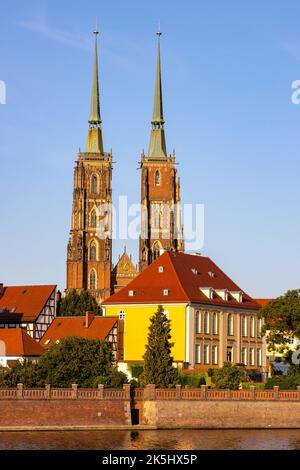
x=181 y=439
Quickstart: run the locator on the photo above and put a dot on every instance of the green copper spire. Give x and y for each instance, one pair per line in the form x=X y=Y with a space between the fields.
x=95 y=143
x=157 y=147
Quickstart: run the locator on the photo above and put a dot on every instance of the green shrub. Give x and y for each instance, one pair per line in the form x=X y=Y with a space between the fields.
x=284 y=382
x=257 y=385
x=136 y=369
x=228 y=376
x=192 y=379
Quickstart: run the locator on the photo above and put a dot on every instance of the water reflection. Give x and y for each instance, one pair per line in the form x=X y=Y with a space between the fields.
x=183 y=439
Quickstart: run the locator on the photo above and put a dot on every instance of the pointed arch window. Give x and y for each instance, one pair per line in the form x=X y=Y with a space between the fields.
x=93 y=280
x=94 y=185
x=93 y=251
x=157 y=178
x=156 y=250
x=93 y=219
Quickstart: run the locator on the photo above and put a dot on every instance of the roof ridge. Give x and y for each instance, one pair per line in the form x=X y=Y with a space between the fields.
x=177 y=277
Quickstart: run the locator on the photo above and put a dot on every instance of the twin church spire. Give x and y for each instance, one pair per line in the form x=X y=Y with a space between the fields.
x=157 y=146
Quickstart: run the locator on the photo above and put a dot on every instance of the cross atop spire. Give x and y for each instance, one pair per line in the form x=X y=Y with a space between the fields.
x=157 y=147
x=95 y=143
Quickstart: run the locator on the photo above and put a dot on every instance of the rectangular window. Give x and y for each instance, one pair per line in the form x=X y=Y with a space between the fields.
x=214 y=354
x=230 y=324
x=229 y=354
x=206 y=323
x=251 y=356
x=244 y=356
x=258 y=360
x=198 y=354
x=198 y=322
x=244 y=325
x=206 y=354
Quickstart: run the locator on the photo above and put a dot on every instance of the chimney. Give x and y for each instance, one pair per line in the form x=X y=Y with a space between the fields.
x=1 y=289
x=89 y=317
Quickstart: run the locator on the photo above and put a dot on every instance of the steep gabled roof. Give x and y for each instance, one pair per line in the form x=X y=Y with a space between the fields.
x=16 y=342
x=23 y=303
x=182 y=275
x=99 y=328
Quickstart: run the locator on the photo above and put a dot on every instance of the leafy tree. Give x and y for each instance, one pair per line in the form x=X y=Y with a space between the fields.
x=25 y=373
x=282 y=320
x=85 y=362
x=228 y=376
x=77 y=304
x=286 y=382
x=158 y=361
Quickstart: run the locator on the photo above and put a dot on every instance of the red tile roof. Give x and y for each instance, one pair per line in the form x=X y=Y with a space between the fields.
x=183 y=275
x=76 y=326
x=27 y=302
x=263 y=302
x=18 y=343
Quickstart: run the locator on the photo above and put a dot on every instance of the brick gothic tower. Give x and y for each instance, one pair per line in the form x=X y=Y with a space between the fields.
x=161 y=227
x=89 y=247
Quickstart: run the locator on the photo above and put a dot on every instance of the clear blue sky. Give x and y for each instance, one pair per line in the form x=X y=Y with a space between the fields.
x=227 y=73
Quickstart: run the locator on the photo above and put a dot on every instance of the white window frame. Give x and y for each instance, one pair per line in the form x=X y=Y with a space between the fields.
x=197 y=353
x=214 y=354
x=206 y=354
x=206 y=325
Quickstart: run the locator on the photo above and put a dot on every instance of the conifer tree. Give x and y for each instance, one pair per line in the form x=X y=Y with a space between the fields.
x=158 y=361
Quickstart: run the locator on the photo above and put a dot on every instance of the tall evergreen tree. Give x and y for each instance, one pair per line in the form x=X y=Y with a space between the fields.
x=158 y=361
x=77 y=304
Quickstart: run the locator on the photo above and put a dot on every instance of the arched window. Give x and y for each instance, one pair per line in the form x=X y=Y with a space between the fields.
x=215 y=324
x=198 y=321
x=93 y=219
x=93 y=251
x=156 y=250
x=252 y=327
x=244 y=325
x=94 y=185
x=93 y=280
x=157 y=178
x=206 y=323
x=229 y=324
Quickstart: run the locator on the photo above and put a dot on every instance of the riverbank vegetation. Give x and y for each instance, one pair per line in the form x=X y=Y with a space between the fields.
x=74 y=360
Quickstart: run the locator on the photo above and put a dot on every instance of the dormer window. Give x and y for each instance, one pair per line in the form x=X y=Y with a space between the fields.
x=208 y=292
x=195 y=271
x=223 y=293
x=131 y=293
x=237 y=295
x=166 y=291
x=161 y=269
x=211 y=273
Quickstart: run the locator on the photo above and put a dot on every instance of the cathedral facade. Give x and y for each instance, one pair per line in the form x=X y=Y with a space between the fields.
x=89 y=253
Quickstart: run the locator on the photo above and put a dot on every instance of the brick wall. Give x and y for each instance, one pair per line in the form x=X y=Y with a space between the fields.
x=39 y=413
x=224 y=414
